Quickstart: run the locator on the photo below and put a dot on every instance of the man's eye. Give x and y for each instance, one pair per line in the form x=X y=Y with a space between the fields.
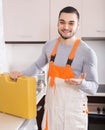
x=71 y=24
x=61 y=22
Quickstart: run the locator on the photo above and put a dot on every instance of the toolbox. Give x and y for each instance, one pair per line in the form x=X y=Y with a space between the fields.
x=18 y=97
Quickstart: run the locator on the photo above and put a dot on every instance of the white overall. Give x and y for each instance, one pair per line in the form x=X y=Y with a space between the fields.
x=66 y=106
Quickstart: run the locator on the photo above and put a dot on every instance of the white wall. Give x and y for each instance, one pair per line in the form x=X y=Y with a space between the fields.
x=20 y=56
x=3 y=64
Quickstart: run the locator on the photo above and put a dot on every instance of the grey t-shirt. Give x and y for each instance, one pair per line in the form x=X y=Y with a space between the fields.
x=85 y=61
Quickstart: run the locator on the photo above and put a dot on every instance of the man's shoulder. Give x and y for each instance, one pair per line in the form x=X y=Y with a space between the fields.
x=85 y=47
x=50 y=43
x=87 y=50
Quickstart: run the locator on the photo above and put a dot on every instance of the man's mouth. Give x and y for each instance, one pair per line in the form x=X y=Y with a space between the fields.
x=66 y=31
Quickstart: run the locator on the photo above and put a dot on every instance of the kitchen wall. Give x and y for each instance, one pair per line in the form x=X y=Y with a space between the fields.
x=20 y=56
x=3 y=64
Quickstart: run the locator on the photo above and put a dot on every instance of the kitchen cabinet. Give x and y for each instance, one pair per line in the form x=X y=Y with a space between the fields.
x=56 y=6
x=93 y=18
x=26 y=20
x=40 y=112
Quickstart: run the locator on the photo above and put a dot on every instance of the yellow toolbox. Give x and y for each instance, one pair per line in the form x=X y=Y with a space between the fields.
x=18 y=97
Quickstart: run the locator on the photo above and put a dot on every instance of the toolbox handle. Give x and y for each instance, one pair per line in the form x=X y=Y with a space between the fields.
x=7 y=78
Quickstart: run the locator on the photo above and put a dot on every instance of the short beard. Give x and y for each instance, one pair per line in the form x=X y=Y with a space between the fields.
x=65 y=38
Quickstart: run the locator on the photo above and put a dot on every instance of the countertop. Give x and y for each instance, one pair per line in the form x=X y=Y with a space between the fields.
x=98 y=94
x=9 y=122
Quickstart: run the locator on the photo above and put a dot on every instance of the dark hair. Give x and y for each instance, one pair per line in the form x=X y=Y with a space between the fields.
x=70 y=9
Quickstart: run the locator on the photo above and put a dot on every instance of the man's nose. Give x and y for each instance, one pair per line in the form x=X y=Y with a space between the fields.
x=66 y=26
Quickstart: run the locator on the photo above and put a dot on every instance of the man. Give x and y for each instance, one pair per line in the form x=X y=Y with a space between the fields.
x=72 y=73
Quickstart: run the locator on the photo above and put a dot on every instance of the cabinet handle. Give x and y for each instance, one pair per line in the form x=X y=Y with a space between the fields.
x=39 y=108
x=101 y=31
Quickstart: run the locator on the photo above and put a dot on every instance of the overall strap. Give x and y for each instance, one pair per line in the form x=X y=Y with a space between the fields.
x=71 y=56
x=77 y=42
x=55 y=47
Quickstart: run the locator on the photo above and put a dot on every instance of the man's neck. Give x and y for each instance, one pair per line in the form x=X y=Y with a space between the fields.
x=69 y=41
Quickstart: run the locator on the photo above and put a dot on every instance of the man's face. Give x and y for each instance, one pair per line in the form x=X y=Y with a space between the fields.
x=67 y=25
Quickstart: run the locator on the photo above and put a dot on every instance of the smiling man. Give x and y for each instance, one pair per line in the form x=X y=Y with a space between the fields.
x=72 y=73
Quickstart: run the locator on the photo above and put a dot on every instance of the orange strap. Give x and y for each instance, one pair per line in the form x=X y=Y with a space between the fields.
x=55 y=47
x=71 y=56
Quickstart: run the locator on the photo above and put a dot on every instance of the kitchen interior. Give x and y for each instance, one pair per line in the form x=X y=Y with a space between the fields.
x=28 y=25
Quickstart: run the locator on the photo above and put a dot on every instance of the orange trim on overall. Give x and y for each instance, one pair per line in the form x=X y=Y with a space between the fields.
x=61 y=72
x=46 y=127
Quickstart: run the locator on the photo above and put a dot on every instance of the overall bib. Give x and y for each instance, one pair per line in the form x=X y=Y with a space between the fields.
x=65 y=105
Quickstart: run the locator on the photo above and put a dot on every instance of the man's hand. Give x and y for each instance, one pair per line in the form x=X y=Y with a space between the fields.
x=76 y=81
x=14 y=75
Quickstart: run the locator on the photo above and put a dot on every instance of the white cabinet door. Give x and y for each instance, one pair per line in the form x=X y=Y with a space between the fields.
x=93 y=18
x=56 y=6
x=26 y=20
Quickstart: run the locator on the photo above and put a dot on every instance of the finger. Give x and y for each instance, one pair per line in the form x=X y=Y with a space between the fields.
x=71 y=82
x=82 y=76
x=14 y=75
